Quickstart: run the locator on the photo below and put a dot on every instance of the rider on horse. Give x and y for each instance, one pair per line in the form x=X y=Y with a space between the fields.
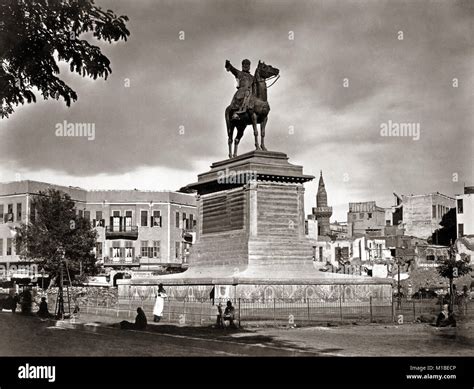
x=241 y=99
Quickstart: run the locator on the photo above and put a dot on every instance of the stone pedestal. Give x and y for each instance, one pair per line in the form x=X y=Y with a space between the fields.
x=250 y=232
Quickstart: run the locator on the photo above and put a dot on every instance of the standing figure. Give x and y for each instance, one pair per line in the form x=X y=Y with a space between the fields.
x=26 y=302
x=159 y=304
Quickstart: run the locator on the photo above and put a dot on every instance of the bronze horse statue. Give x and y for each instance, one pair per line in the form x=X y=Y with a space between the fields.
x=256 y=112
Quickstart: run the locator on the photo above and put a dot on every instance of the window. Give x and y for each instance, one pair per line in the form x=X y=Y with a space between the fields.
x=191 y=220
x=177 y=219
x=10 y=216
x=177 y=250
x=156 y=219
x=144 y=218
x=129 y=251
x=460 y=230
x=99 y=222
x=185 y=221
x=156 y=249
x=369 y=215
x=87 y=215
x=9 y=246
x=116 y=221
x=321 y=254
x=1 y=213
x=98 y=250
x=433 y=212
x=18 y=211
x=81 y=213
x=460 y=206
x=144 y=248
x=128 y=221
x=388 y=222
x=1 y=247
x=115 y=251
x=361 y=215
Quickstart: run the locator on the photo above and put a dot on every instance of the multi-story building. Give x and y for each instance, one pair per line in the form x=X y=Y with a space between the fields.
x=465 y=212
x=366 y=218
x=140 y=230
x=339 y=229
x=421 y=214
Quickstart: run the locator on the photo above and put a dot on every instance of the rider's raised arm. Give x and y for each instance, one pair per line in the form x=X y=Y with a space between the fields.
x=231 y=69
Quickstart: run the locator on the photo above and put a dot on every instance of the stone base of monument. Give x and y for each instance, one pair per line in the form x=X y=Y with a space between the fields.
x=251 y=239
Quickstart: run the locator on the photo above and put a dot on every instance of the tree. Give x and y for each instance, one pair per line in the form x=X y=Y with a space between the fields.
x=35 y=34
x=452 y=268
x=447 y=233
x=54 y=232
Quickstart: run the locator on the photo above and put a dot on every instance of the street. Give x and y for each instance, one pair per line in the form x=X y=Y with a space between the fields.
x=96 y=336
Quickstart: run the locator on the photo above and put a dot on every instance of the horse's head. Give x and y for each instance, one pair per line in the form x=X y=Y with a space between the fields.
x=266 y=71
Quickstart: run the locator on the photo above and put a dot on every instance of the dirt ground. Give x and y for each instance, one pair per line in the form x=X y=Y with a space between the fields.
x=100 y=336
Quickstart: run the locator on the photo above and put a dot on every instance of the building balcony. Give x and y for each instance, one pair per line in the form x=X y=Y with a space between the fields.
x=322 y=211
x=121 y=232
x=134 y=261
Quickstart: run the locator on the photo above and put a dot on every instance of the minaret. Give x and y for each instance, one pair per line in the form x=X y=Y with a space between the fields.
x=322 y=212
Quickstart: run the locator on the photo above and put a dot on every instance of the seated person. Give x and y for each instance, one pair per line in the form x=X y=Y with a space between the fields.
x=43 y=311
x=140 y=322
x=446 y=318
x=229 y=313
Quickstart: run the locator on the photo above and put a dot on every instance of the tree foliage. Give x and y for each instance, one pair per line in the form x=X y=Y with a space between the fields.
x=447 y=233
x=36 y=34
x=56 y=225
x=452 y=268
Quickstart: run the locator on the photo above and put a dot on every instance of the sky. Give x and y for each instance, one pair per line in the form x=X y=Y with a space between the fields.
x=347 y=69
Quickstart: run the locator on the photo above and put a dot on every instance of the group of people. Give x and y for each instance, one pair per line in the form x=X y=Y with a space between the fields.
x=225 y=317
x=141 y=321
x=25 y=299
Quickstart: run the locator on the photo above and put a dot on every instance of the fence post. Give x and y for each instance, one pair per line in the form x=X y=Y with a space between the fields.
x=370 y=303
x=169 y=310
x=393 y=312
x=274 y=308
x=309 y=314
x=184 y=309
x=340 y=306
x=240 y=315
x=201 y=315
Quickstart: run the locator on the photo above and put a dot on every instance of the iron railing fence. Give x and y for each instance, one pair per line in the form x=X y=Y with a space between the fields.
x=277 y=312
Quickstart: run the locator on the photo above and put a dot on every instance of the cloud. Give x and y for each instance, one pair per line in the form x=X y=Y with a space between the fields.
x=171 y=118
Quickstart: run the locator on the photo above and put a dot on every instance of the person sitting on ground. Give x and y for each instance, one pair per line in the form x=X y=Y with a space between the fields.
x=446 y=318
x=140 y=322
x=43 y=311
x=10 y=303
x=229 y=314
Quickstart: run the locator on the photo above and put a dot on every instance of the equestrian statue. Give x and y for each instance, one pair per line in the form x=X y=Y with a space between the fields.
x=249 y=104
